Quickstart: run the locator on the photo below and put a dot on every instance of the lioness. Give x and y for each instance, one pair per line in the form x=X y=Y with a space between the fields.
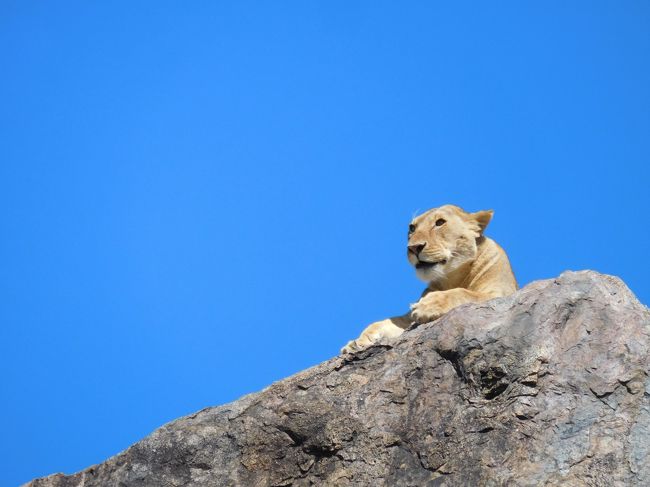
x=449 y=252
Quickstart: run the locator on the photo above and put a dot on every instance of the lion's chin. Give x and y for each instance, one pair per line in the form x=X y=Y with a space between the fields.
x=430 y=274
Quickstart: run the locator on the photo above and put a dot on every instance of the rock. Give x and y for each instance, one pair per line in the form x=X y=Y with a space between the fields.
x=548 y=386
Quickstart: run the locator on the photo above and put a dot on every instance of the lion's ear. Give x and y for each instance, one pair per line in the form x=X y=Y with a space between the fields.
x=482 y=218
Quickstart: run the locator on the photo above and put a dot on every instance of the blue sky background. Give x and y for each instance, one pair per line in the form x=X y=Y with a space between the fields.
x=200 y=198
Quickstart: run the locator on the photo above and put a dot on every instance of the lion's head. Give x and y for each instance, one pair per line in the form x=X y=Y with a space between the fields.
x=444 y=239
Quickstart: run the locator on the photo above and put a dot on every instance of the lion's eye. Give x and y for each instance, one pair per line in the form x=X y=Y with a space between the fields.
x=411 y=228
x=440 y=222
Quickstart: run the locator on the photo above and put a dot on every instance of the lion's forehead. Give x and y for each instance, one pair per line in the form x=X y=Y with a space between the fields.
x=446 y=211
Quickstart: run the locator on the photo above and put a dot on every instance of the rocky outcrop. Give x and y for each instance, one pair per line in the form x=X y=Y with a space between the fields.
x=546 y=387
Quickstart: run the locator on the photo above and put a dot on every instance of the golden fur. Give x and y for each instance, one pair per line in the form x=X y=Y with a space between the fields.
x=447 y=247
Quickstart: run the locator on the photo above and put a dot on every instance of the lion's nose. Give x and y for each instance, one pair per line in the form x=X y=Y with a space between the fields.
x=417 y=248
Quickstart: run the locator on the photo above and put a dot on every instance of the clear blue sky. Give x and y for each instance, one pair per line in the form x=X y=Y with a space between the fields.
x=200 y=198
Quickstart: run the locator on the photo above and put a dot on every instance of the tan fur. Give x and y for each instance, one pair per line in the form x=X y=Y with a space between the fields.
x=469 y=268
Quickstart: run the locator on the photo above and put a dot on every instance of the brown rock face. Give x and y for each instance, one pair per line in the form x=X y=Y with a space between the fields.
x=546 y=387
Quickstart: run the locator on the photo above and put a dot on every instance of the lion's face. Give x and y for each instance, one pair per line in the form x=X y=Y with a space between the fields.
x=443 y=239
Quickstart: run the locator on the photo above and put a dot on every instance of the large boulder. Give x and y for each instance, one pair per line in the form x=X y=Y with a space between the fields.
x=548 y=386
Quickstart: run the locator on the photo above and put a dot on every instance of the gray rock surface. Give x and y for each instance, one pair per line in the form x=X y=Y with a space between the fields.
x=546 y=387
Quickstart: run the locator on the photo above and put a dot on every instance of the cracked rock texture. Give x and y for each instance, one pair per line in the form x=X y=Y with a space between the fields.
x=548 y=386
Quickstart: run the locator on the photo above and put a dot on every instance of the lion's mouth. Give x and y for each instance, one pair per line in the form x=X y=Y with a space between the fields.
x=429 y=265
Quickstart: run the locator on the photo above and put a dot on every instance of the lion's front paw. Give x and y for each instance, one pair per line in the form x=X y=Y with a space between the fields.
x=429 y=308
x=373 y=334
x=361 y=343
x=352 y=347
